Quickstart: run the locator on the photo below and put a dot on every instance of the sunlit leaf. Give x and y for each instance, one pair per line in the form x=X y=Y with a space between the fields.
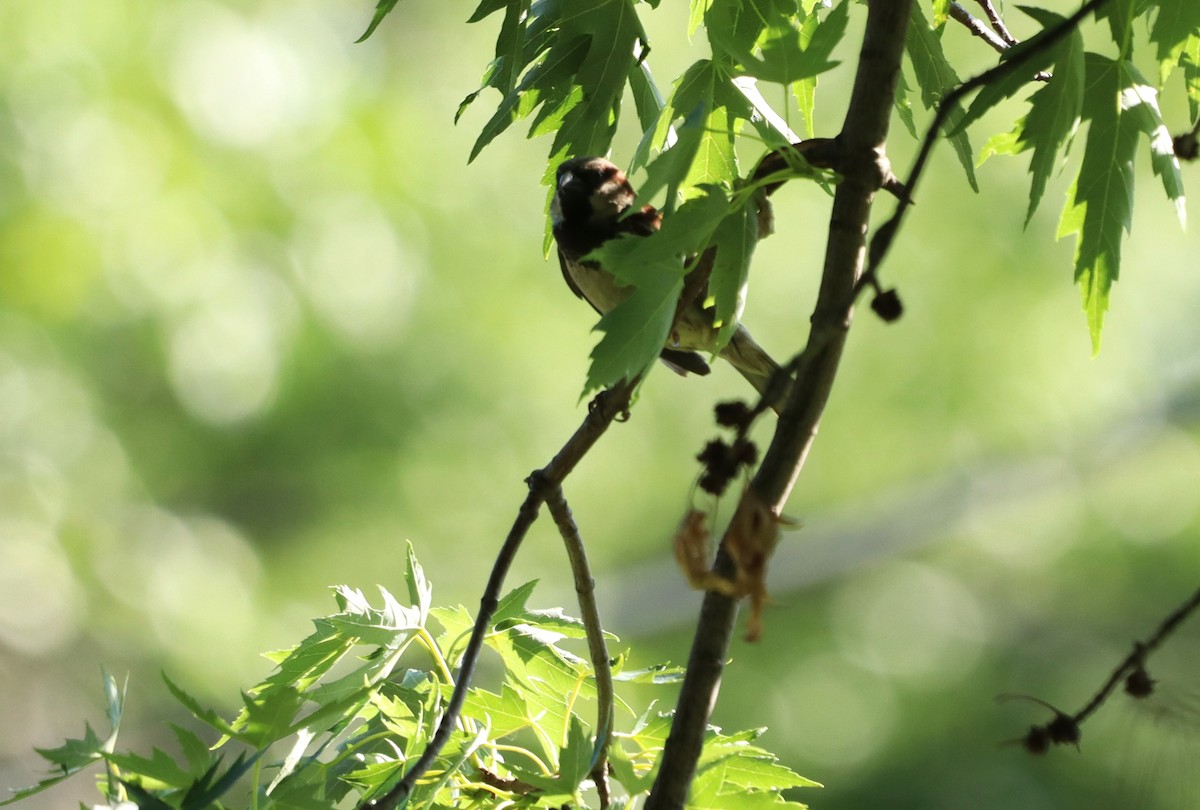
x=787 y=55
x=1100 y=201
x=1139 y=100
x=157 y=771
x=940 y=10
x=1054 y=113
x=1175 y=22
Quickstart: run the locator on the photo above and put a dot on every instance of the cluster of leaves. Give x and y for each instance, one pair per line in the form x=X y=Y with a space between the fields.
x=1121 y=108
x=568 y=67
x=338 y=720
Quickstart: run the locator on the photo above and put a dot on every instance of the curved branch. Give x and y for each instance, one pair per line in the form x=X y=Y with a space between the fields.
x=585 y=590
x=861 y=145
x=602 y=411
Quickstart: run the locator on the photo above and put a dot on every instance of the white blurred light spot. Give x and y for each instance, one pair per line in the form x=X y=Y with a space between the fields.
x=237 y=81
x=157 y=257
x=40 y=602
x=838 y=717
x=197 y=577
x=1146 y=492
x=911 y=621
x=362 y=279
x=94 y=162
x=1026 y=517
x=46 y=413
x=224 y=356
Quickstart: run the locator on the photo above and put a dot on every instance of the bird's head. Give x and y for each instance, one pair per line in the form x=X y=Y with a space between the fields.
x=589 y=192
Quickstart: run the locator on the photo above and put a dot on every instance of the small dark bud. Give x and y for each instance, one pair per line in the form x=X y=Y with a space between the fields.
x=715 y=453
x=719 y=467
x=713 y=484
x=887 y=305
x=1037 y=741
x=1063 y=730
x=1139 y=684
x=734 y=414
x=744 y=452
x=1186 y=146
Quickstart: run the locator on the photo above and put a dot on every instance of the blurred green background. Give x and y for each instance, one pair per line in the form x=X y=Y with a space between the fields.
x=260 y=324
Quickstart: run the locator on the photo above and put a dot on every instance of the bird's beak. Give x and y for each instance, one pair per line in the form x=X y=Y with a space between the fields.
x=567 y=179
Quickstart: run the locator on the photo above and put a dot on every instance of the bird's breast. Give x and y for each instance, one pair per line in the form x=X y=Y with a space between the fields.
x=597 y=285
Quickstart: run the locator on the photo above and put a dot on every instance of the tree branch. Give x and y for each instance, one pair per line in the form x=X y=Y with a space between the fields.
x=585 y=590
x=976 y=27
x=1065 y=728
x=997 y=22
x=1000 y=40
x=602 y=411
x=861 y=143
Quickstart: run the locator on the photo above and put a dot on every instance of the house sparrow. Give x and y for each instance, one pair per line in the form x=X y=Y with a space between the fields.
x=590 y=197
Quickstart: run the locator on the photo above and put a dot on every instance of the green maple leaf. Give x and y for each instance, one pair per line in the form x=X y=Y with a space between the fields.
x=789 y=53
x=1175 y=22
x=736 y=237
x=1190 y=59
x=382 y=9
x=1009 y=84
x=568 y=63
x=1100 y=201
x=1053 y=116
x=1140 y=100
x=636 y=330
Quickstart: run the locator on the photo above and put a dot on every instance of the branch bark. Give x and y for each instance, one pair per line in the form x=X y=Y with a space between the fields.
x=585 y=589
x=861 y=142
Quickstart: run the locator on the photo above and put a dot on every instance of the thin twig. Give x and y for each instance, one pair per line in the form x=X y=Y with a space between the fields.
x=1065 y=729
x=999 y=42
x=602 y=411
x=882 y=241
x=997 y=21
x=976 y=27
x=861 y=142
x=1137 y=658
x=585 y=590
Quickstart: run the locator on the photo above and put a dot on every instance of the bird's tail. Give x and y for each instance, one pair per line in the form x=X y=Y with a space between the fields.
x=753 y=363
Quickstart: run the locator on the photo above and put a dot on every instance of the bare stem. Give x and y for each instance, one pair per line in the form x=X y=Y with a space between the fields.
x=976 y=27
x=585 y=590
x=997 y=22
